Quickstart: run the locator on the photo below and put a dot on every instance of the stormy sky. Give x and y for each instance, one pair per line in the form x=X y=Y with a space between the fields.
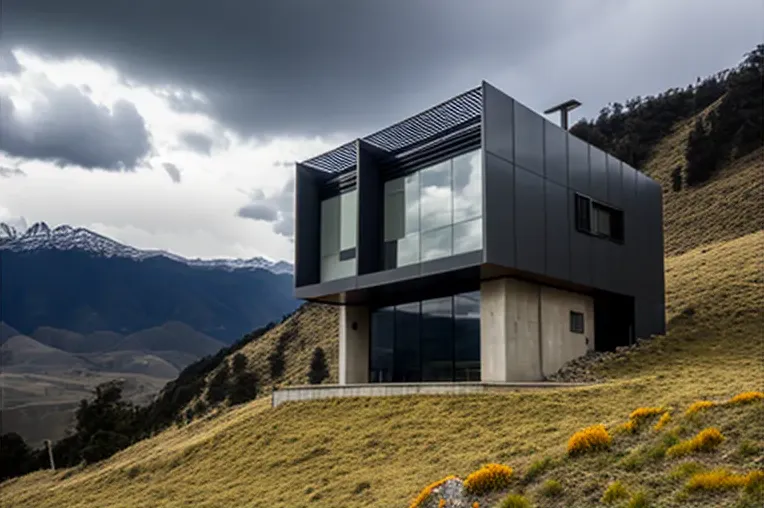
x=174 y=124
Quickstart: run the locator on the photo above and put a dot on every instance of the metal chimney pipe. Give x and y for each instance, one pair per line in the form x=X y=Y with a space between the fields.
x=564 y=108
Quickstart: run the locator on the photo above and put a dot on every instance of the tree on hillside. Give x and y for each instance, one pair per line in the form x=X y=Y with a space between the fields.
x=15 y=456
x=676 y=179
x=218 y=388
x=318 y=368
x=276 y=360
x=700 y=154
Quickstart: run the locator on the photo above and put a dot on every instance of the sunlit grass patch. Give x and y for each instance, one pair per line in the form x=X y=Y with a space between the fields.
x=489 y=478
x=592 y=438
x=662 y=422
x=746 y=397
x=721 y=479
x=514 y=501
x=699 y=405
x=706 y=440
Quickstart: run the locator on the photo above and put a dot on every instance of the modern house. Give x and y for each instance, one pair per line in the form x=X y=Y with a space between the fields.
x=477 y=241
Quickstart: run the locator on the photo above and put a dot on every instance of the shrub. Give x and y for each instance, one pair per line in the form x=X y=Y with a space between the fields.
x=745 y=397
x=489 y=478
x=591 y=438
x=551 y=488
x=318 y=368
x=426 y=492
x=685 y=470
x=629 y=426
x=514 y=501
x=642 y=413
x=537 y=468
x=638 y=500
x=442 y=503
x=722 y=479
x=614 y=492
x=704 y=441
x=665 y=418
x=697 y=406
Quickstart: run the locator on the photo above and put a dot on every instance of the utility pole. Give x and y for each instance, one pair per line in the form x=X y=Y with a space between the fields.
x=564 y=108
x=49 y=445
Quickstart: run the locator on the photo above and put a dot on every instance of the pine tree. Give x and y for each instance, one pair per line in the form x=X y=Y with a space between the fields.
x=318 y=368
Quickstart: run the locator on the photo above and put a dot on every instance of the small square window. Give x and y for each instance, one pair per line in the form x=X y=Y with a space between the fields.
x=576 y=322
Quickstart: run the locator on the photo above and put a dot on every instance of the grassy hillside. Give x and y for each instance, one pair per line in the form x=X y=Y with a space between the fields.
x=382 y=452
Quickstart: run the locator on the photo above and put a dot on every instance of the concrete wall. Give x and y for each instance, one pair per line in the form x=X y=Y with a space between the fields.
x=558 y=344
x=525 y=330
x=354 y=344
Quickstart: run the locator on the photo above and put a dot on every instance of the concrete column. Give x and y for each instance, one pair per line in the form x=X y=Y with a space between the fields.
x=354 y=344
x=509 y=331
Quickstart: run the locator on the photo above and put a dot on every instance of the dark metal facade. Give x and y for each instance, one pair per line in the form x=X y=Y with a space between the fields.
x=532 y=171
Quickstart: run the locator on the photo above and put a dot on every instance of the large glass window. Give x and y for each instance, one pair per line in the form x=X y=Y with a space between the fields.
x=435 y=212
x=339 y=216
x=433 y=340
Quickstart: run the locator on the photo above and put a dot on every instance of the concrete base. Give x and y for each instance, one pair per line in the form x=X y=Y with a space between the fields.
x=525 y=330
x=314 y=392
x=354 y=345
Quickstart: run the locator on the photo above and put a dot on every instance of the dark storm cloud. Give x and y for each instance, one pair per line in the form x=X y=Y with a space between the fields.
x=68 y=128
x=276 y=209
x=295 y=66
x=198 y=142
x=173 y=171
x=310 y=67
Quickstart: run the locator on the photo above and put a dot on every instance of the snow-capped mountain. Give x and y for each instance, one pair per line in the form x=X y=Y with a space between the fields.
x=41 y=237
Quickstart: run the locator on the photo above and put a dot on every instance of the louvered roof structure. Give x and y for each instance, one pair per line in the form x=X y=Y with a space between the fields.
x=445 y=118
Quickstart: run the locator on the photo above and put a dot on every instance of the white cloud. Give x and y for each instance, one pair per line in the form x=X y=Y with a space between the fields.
x=194 y=217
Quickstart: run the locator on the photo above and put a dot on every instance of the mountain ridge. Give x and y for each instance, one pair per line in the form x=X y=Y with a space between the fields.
x=65 y=237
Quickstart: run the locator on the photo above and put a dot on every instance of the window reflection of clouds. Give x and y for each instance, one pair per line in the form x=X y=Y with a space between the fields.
x=437 y=202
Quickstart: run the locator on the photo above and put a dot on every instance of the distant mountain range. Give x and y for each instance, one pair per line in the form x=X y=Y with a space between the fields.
x=41 y=236
x=78 y=309
x=77 y=280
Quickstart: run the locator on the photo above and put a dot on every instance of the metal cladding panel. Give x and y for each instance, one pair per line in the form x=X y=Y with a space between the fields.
x=530 y=237
x=578 y=164
x=555 y=154
x=614 y=184
x=557 y=231
x=600 y=264
x=529 y=139
x=581 y=247
x=631 y=260
x=498 y=211
x=370 y=210
x=450 y=263
x=498 y=121
x=307 y=262
x=598 y=178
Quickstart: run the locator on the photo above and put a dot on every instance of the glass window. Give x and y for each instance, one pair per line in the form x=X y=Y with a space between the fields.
x=433 y=340
x=436 y=244
x=348 y=219
x=338 y=236
x=576 y=322
x=468 y=236
x=467 y=337
x=443 y=203
x=408 y=250
x=383 y=331
x=406 y=354
x=435 y=196
x=330 y=219
x=437 y=340
x=468 y=187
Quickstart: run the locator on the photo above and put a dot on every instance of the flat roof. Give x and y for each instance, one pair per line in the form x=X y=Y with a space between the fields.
x=416 y=130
